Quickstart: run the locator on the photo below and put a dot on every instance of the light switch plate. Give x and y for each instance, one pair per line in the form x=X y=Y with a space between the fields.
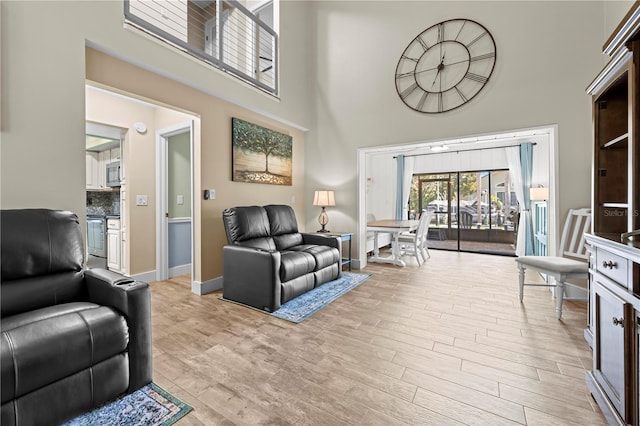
x=209 y=194
x=142 y=200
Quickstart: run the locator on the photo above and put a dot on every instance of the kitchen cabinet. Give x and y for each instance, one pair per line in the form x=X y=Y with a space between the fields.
x=114 y=245
x=96 y=166
x=96 y=163
x=92 y=162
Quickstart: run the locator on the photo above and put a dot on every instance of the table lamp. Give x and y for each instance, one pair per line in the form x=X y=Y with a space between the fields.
x=539 y=194
x=324 y=199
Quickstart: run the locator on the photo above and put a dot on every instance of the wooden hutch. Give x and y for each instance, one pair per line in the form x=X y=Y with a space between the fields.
x=614 y=296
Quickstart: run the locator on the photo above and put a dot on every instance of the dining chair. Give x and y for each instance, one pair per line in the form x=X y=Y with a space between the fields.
x=571 y=262
x=416 y=243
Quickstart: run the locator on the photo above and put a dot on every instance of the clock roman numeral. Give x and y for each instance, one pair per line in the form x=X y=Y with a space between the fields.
x=461 y=28
x=462 y=96
x=409 y=59
x=422 y=100
x=483 y=57
x=476 y=39
x=404 y=75
x=440 y=33
x=406 y=92
x=440 y=103
x=424 y=45
x=476 y=77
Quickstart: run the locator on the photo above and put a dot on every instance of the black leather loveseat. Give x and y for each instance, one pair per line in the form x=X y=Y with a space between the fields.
x=72 y=339
x=268 y=262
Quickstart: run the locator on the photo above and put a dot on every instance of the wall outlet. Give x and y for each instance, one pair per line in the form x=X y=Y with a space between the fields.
x=180 y=200
x=142 y=200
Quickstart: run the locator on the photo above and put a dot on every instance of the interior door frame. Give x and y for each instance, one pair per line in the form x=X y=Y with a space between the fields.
x=162 y=206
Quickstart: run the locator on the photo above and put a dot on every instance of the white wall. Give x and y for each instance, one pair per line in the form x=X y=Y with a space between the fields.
x=546 y=56
x=381 y=185
x=614 y=12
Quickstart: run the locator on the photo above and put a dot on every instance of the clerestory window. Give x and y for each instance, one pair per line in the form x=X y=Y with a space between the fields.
x=235 y=37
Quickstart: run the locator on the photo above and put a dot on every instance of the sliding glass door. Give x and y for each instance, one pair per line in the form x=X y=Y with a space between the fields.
x=473 y=211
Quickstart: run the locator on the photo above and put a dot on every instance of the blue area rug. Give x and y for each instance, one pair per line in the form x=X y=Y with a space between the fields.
x=148 y=406
x=307 y=304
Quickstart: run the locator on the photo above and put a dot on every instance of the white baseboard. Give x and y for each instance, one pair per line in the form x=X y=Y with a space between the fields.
x=208 y=286
x=356 y=264
x=179 y=270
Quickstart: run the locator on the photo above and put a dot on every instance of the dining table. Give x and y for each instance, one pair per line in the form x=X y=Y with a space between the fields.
x=394 y=227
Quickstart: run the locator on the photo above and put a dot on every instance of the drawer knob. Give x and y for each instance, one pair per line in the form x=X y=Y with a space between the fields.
x=617 y=321
x=610 y=264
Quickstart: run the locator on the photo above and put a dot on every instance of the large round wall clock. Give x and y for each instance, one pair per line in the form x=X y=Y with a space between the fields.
x=445 y=66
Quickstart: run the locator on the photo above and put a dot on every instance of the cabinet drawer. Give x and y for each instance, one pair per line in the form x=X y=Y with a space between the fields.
x=612 y=266
x=113 y=224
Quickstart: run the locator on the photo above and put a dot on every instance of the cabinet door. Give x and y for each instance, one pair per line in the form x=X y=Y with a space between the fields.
x=115 y=154
x=104 y=159
x=113 y=250
x=92 y=169
x=609 y=354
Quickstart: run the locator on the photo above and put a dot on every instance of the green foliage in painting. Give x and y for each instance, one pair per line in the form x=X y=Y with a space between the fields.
x=252 y=138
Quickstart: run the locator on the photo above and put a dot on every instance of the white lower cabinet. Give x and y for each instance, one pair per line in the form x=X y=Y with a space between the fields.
x=114 y=245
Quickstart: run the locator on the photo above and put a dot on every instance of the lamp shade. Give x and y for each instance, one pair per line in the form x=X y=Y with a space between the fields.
x=324 y=198
x=538 y=194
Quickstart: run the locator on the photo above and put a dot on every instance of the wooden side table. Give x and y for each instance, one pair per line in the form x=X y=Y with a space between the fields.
x=344 y=236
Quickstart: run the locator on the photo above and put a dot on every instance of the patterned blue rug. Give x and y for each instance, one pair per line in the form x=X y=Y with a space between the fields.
x=148 y=406
x=307 y=304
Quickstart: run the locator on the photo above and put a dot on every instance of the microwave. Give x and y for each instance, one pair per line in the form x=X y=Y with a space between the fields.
x=113 y=174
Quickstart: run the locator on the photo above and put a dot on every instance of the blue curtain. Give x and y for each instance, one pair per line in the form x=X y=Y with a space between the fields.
x=526 y=164
x=399 y=185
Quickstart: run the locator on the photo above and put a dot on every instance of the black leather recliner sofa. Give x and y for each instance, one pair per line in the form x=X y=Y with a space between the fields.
x=268 y=262
x=72 y=339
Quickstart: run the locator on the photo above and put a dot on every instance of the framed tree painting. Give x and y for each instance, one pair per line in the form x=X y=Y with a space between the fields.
x=260 y=155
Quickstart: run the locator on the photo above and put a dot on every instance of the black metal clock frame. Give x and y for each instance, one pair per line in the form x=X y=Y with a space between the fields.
x=457 y=78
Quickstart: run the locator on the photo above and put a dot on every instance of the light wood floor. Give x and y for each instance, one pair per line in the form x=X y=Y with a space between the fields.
x=444 y=344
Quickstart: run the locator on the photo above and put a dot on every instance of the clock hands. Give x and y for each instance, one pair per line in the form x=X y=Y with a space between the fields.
x=440 y=68
x=443 y=66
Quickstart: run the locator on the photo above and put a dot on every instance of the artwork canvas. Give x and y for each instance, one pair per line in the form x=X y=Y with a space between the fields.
x=260 y=155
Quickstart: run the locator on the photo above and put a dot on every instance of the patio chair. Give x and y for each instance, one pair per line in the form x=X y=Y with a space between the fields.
x=465 y=219
x=572 y=261
x=416 y=244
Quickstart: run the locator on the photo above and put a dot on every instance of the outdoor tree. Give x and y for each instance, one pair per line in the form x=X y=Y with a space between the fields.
x=432 y=192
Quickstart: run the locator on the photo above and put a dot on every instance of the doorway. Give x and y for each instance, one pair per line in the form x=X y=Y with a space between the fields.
x=377 y=172
x=174 y=192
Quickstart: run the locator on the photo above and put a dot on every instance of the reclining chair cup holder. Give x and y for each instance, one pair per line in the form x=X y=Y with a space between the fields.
x=66 y=331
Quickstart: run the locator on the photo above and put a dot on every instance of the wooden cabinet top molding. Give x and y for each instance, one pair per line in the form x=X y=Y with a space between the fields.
x=624 y=32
